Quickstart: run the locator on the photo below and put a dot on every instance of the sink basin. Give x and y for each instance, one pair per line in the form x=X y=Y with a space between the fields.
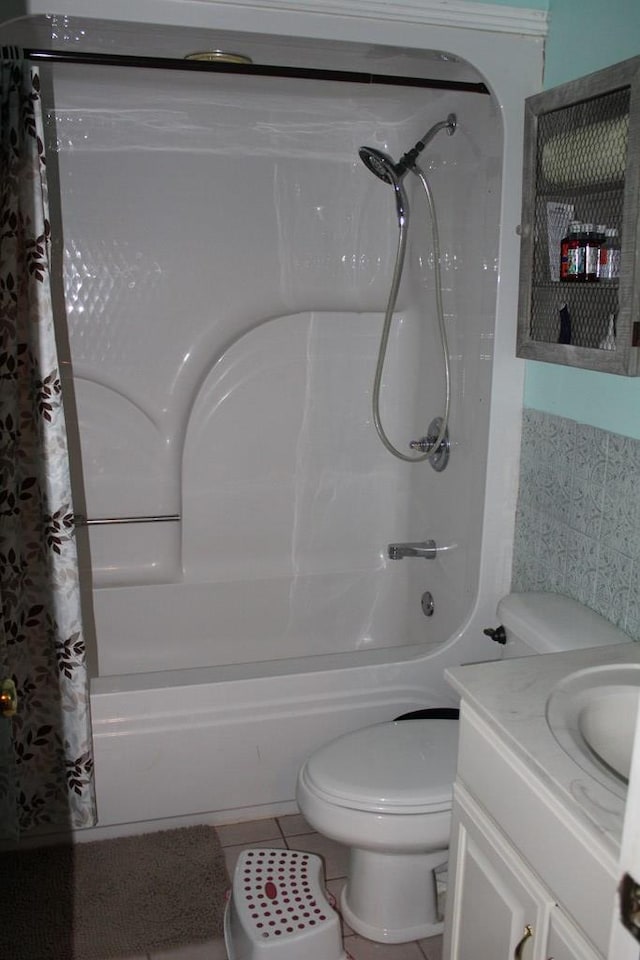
x=592 y=714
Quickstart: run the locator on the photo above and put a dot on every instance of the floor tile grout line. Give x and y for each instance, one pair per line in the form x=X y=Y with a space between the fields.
x=279 y=826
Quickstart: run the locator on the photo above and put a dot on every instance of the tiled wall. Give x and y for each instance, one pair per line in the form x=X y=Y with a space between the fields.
x=578 y=516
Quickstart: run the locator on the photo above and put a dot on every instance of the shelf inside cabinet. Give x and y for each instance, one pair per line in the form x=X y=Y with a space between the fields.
x=591 y=310
x=600 y=285
x=580 y=190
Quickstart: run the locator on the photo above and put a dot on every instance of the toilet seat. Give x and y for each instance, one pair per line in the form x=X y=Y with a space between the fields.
x=405 y=767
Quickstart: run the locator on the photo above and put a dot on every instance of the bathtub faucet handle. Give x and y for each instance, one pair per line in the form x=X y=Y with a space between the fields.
x=424 y=445
x=437 y=455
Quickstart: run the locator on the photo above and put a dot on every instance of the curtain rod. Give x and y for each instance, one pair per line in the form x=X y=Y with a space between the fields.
x=252 y=70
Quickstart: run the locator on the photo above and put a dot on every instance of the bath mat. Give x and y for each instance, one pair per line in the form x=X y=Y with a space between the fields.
x=112 y=898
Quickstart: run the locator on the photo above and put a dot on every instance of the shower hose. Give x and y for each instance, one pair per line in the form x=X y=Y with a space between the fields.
x=386 y=327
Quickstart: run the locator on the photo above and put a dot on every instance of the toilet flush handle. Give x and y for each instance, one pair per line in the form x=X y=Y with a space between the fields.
x=499 y=634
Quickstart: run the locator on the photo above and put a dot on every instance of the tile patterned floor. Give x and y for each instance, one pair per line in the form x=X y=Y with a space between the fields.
x=294 y=833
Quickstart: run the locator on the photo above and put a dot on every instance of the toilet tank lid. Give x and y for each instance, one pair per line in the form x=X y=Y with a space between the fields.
x=551 y=622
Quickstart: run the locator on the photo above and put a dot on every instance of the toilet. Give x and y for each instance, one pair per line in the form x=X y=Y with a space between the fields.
x=386 y=791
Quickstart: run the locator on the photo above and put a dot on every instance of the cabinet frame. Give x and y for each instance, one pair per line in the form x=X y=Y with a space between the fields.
x=625 y=359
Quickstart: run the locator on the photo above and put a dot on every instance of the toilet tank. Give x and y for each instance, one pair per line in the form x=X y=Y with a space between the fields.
x=550 y=622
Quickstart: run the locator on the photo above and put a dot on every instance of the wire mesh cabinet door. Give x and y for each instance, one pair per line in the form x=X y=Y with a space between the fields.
x=578 y=296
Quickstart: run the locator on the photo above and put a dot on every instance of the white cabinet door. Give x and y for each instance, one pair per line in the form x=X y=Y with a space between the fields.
x=499 y=911
x=564 y=942
x=498 y=908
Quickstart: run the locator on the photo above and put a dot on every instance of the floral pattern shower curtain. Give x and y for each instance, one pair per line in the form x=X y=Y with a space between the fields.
x=49 y=778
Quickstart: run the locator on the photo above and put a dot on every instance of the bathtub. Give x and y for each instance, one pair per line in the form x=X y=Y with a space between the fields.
x=175 y=736
x=225 y=743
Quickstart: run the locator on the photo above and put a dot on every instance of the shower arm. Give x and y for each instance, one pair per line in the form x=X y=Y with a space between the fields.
x=408 y=160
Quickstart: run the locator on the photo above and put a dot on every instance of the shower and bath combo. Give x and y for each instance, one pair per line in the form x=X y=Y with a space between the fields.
x=435 y=445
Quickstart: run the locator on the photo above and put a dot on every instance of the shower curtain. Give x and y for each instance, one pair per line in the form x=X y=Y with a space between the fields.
x=46 y=767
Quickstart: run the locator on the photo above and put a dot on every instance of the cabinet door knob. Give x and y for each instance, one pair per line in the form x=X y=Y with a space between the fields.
x=528 y=933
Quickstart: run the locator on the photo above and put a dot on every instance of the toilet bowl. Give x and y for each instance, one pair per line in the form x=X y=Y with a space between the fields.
x=385 y=791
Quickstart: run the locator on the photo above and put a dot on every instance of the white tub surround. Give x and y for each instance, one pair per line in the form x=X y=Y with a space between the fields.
x=226 y=380
x=227 y=261
x=564 y=825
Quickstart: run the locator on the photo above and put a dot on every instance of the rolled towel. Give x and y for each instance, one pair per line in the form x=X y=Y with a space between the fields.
x=594 y=153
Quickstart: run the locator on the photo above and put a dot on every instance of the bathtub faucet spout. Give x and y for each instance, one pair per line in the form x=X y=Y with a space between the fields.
x=426 y=549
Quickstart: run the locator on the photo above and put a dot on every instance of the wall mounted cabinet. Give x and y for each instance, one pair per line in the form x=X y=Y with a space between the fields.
x=581 y=154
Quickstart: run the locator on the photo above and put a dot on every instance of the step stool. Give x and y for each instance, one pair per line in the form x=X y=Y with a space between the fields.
x=278 y=909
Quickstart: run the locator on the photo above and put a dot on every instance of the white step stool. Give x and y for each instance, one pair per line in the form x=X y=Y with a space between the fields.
x=278 y=909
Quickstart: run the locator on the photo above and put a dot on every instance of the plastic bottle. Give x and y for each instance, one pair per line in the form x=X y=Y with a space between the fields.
x=572 y=249
x=609 y=266
x=593 y=240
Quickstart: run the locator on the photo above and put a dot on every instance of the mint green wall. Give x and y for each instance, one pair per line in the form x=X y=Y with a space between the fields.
x=585 y=36
x=589 y=35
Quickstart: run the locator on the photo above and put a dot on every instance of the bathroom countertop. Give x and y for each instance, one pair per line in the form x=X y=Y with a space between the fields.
x=511 y=697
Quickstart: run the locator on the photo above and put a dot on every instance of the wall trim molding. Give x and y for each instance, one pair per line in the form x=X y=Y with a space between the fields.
x=463 y=14
x=443 y=13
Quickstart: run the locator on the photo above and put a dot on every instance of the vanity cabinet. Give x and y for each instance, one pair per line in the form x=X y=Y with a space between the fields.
x=500 y=908
x=526 y=880
x=581 y=154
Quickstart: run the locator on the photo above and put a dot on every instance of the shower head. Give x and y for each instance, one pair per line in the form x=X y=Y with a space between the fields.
x=383 y=167
x=380 y=164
